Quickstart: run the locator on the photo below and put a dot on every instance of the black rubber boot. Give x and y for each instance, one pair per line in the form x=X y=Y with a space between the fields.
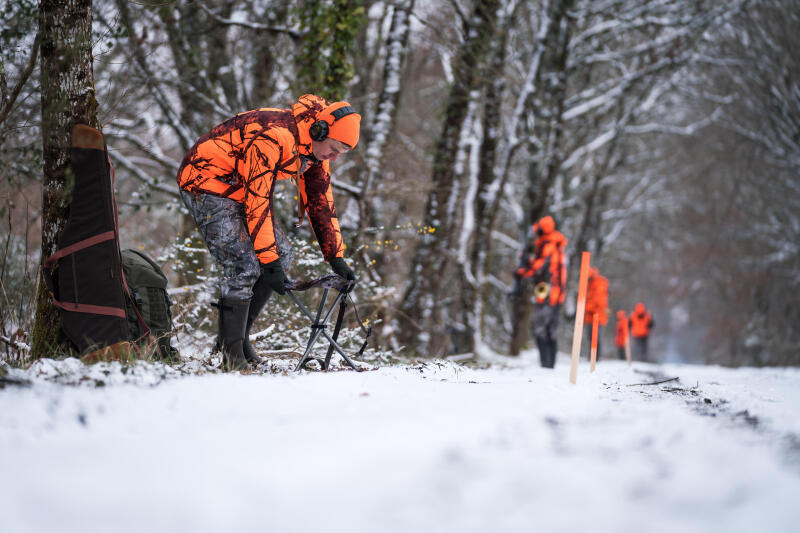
x=553 y=349
x=232 y=323
x=547 y=352
x=261 y=293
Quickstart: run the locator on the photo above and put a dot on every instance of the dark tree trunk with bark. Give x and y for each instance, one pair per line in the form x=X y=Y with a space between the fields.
x=67 y=98
x=542 y=173
x=428 y=276
x=384 y=120
x=474 y=290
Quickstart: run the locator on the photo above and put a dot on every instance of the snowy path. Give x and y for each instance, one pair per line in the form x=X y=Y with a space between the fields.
x=405 y=449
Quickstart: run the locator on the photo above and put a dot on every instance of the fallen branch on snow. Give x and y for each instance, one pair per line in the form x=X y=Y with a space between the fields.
x=15 y=344
x=654 y=382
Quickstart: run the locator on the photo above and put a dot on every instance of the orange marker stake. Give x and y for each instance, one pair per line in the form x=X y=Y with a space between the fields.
x=579 y=312
x=595 y=321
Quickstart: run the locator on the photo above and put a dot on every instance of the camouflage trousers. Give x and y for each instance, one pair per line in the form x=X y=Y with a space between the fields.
x=544 y=326
x=544 y=321
x=221 y=222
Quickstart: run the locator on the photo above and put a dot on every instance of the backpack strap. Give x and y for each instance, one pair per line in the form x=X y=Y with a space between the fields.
x=139 y=317
x=88 y=308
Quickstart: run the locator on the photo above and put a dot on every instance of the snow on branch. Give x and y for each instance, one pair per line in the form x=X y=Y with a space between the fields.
x=683 y=29
x=351 y=189
x=217 y=106
x=291 y=32
x=152 y=150
x=587 y=101
x=592 y=146
x=687 y=131
x=140 y=60
x=502 y=238
x=15 y=344
x=631 y=22
x=10 y=97
x=140 y=175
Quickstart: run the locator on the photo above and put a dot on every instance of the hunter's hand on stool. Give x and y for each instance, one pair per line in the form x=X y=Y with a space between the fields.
x=340 y=267
x=274 y=276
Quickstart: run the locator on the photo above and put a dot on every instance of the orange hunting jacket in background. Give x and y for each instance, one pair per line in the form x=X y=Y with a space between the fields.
x=549 y=246
x=242 y=159
x=621 y=337
x=596 y=298
x=641 y=322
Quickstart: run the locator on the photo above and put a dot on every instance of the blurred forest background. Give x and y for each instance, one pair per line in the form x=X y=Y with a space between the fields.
x=663 y=136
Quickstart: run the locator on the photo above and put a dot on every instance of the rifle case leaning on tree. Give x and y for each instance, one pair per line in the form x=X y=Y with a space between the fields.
x=85 y=276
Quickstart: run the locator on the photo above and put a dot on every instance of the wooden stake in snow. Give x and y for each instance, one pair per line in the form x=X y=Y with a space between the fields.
x=628 y=349
x=595 y=322
x=579 y=312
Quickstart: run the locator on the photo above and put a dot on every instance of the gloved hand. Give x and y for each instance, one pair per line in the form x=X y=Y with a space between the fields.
x=274 y=276
x=340 y=267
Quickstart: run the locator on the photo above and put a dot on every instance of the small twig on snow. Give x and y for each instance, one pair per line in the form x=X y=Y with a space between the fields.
x=653 y=383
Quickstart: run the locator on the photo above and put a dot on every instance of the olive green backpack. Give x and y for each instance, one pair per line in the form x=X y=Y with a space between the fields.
x=148 y=286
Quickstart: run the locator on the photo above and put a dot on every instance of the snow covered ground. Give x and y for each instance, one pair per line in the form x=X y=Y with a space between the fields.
x=434 y=447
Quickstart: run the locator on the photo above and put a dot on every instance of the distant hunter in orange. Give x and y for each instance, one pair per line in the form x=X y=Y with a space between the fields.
x=641 y=324
x=622 y=333
x=547 y=269
x=227 y=180
x=596 y=304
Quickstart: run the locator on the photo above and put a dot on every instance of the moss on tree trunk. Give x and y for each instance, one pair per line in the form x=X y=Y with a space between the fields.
x=68 y=98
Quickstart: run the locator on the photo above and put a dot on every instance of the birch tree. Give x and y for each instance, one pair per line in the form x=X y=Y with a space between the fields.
x=423 y=312
x=383 y=120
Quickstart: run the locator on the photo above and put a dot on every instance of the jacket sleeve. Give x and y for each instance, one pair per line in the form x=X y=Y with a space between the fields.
x=527 y=270
x=316 y=194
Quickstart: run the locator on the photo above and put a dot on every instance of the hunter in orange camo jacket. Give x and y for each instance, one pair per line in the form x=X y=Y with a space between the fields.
x=243 y=158
x=596 y=298
x=547 y=262
x=227 y=181
x=546 y=266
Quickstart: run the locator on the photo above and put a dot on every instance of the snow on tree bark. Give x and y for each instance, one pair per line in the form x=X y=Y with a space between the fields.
x=542 y=170
x=383 y=123
x=422 y=307
x=67 y=81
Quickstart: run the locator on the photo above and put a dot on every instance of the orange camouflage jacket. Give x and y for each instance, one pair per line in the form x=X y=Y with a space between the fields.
x=243 y=158
x=549 y=254
x=596 y=299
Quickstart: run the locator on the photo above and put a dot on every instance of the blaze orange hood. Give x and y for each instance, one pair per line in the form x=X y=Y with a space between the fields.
x=305 y=114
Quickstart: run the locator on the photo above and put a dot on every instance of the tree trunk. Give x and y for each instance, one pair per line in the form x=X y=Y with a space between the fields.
x=369 y=207
x=430 y=267
x=329 y=30
x=67 y=80
x=542 y=174
x=476 y=244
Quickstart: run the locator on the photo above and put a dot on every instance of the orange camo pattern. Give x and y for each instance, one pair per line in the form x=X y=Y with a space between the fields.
x=596 y=298
x=243 y=158
x=549 y=251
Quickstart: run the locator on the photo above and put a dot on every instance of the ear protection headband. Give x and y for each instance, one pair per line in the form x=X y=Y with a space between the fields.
x=320 y=129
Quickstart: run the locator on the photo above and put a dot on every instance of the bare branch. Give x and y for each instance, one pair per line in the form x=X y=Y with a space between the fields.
x=140 y=175
x=293 y=33
x=8 y=101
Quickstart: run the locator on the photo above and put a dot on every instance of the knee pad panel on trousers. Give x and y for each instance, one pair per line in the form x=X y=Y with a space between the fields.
x=221 y=222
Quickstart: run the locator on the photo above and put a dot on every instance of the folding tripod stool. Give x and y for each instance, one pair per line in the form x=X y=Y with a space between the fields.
x=319 y=322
